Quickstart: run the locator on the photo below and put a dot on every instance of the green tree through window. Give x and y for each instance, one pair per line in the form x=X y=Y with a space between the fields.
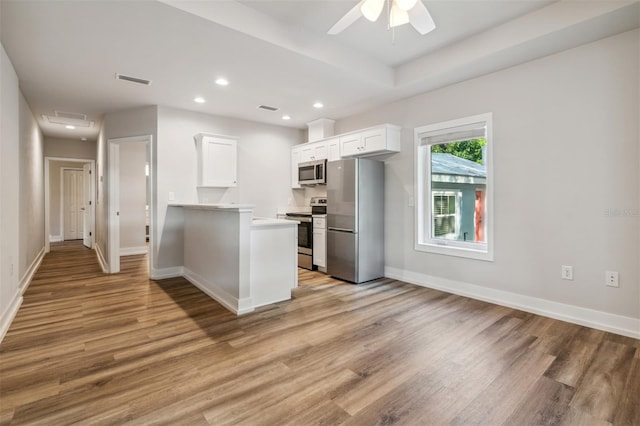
x=469 y=150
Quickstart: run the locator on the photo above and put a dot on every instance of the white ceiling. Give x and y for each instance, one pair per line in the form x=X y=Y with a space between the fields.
x=274 y=52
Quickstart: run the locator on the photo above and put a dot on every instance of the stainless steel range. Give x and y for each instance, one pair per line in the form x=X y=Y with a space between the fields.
x=305 y=231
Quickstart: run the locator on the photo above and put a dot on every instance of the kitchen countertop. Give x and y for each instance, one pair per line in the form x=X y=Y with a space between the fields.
x=257 y=222
x=220 y=206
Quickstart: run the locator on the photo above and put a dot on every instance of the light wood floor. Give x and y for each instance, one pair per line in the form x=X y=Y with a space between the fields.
x=89 y=348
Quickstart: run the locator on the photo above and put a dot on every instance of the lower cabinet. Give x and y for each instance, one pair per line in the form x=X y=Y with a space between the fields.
x=320 y=243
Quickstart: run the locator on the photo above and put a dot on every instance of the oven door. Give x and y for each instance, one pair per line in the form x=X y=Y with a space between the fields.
x=305 y=235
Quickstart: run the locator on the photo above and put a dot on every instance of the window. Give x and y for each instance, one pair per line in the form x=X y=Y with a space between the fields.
x=454 y=189
x=445 y=214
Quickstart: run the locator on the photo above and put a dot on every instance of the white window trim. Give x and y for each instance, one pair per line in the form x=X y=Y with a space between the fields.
x=479 y=251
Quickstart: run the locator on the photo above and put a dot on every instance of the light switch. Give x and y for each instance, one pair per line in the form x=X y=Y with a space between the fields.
x=172 y=196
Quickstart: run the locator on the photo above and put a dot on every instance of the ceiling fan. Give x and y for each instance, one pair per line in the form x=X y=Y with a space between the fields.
x=400 y=12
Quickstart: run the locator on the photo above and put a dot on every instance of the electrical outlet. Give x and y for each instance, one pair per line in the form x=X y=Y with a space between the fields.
x=172 y=196
x=567 y=272
x=611 y=279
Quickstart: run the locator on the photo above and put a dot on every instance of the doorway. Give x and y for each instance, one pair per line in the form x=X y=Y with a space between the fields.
x=130 y=200
x=69 y=200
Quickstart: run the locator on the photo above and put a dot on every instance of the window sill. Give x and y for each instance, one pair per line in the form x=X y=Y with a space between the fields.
x=452 y=250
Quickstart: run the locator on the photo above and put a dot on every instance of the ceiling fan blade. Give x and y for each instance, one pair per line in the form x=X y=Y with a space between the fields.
x=352 y=16
x=421 y=19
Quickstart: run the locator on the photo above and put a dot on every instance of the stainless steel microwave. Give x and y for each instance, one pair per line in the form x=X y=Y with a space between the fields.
x=312 y=172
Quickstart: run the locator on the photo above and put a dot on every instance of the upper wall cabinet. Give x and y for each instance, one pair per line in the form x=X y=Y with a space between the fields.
x=217 y=160
x=372 y=141
x=313 y=151
x=333 y=149
x=378 y=140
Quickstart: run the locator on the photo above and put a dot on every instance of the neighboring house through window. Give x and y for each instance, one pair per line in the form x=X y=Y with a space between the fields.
x=454 y=188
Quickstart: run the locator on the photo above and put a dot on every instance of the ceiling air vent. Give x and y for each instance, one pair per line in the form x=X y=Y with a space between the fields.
x=268 y=108
x=67 y=121
x=71 y=115
x=133 y=79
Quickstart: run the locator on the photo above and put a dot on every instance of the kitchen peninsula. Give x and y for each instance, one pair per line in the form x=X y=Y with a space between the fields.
x=241 y=261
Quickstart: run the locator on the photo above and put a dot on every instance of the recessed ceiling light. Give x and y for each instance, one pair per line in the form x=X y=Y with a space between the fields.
x=318 y=105
x=83 y=139
x=70 y=127
x=199 y=100
x=222 y=82
x=286 y=117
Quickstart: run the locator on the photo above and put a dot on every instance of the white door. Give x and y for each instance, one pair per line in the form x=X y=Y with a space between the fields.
x=72 y=204
x=113 y=196
x=87 y=208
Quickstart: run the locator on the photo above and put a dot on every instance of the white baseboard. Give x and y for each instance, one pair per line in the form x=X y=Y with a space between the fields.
x=613 y=323
x=55 y=238
x=214 y=291
x=103 y=263
x=28 y=276
x=10 y=313
x=163 y=273
x=130 y=251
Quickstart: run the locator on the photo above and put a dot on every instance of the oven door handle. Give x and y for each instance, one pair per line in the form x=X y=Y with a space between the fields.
x=348 y=230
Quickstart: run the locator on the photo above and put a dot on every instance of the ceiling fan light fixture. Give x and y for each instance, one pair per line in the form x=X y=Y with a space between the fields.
x=397 y=16
x=371 y=9
x=405 y=4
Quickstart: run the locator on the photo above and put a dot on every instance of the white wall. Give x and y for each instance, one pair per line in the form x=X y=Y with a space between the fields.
x=567 y=184
x=10 y=297
x=21 y=194
x=263 y=171
x=133 y=196
x=31 y=189
x=69 y=148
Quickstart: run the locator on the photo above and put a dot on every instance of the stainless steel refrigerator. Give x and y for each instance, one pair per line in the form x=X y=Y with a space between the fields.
x=355 y=219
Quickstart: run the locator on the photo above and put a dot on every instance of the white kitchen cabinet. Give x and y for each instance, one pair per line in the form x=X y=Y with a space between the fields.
x=295 y=159
x=372 y=141
x=313 y=151
x=377 y=140
x=333 y=149
x=350 y=144
x=217 y=160
x=320 y=243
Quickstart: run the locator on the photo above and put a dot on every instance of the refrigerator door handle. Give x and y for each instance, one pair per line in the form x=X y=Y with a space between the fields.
x=340 y=229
